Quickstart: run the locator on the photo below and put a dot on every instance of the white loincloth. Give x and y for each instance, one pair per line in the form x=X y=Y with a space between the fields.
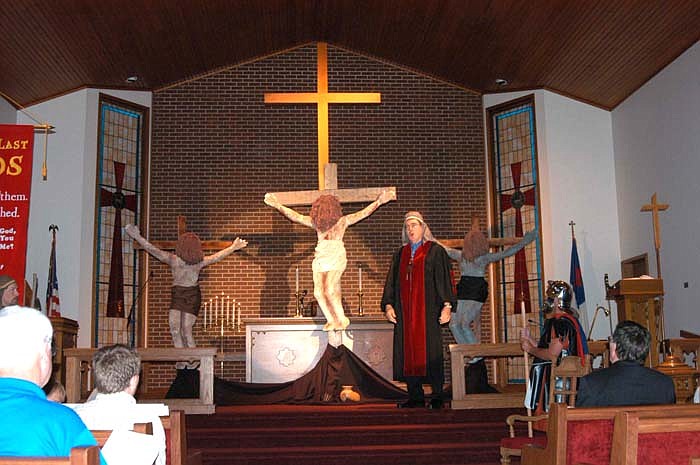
x=329 y=256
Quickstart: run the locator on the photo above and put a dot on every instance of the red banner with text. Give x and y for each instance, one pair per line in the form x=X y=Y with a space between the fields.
x=16 y=150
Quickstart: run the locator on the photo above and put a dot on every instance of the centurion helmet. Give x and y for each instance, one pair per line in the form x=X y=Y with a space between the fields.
x=560 y=290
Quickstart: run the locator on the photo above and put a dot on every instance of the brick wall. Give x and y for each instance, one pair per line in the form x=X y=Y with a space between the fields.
x=217 y=148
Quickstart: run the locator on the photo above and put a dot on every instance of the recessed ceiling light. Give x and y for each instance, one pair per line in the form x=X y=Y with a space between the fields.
x=501 y=82
x=132 y=79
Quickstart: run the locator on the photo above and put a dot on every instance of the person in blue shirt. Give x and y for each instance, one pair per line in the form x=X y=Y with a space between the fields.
x=30 y=424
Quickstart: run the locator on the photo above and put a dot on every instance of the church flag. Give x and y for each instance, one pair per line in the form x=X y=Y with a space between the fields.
x=16 y=151
x=53 y=304
x=575 y=276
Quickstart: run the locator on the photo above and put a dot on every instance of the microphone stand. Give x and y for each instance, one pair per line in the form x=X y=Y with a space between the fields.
x=606 y=312
x=130 y=318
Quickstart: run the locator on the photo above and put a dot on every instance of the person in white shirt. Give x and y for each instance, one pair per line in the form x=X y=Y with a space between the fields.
x=116 y=371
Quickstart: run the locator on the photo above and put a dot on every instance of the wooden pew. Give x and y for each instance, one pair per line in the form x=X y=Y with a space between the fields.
x=671 y=440
x=101 y=435
x=78 y=456
x=585 y=435
x=176 y=440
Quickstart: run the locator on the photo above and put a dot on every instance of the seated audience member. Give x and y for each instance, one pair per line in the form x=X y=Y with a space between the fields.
x=116 y=374
x=627 y=381
x=31 y=425
x=562 y=335
x=55 y=391
x=9 y=294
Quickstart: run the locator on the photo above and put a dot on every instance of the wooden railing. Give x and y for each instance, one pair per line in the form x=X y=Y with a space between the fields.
x=461 y=354
x=75 y=358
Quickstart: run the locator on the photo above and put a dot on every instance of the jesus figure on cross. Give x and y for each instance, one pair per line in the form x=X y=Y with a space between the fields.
x=326 y=217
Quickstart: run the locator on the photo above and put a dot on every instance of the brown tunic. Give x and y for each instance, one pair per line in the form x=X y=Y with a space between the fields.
x=186 y=299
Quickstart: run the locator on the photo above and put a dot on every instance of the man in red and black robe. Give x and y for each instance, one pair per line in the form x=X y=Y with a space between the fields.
x=418 y=298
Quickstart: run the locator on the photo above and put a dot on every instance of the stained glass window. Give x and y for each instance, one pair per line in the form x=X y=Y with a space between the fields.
x=119 y=196
x=516 y=210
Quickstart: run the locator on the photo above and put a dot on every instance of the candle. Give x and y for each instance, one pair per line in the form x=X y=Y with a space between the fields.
x=297 y=281
x=205 y=315
x=360 y=275
x=211 y=311
x=223 y=307
x=239 y=314
x=233 y=314
x=216 y=306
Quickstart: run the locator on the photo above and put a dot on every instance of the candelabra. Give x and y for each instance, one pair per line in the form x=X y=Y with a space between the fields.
x=220 y=318
x=360 y=309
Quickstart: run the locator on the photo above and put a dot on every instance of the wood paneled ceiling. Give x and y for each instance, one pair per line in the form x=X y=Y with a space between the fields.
x=597 y=51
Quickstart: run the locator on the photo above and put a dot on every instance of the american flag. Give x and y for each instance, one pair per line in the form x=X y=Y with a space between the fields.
x=53 y=305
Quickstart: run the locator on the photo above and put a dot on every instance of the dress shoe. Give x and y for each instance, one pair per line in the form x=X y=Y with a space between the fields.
x=411 y=404
x=436 y=404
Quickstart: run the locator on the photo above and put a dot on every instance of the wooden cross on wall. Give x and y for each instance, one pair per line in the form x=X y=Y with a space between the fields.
x=182 y=229
x=327 y=172
x=493 y=242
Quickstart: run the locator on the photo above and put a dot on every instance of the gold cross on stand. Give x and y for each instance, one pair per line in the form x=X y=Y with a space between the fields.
x=322 y=98
x=655 y=208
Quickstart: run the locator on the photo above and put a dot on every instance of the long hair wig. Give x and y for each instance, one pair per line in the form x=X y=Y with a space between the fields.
x=189 y=248
x=325 y=212
x=475 y=243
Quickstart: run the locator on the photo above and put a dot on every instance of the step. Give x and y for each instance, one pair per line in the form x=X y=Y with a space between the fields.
x=414 y=454
x=321 y=435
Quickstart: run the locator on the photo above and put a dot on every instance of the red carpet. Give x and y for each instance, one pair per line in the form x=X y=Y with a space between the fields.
x=346 y=434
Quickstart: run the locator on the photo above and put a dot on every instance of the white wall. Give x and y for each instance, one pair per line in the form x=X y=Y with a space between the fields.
x=657 y=149
x=67 y=199
x=8 y=114
x=577 y=182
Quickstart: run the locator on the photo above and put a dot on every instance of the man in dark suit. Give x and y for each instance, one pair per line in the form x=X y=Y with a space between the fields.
x=627 y=381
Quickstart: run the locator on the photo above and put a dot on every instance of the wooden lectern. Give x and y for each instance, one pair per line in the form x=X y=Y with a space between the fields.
x=65 y=336
x=638 y=300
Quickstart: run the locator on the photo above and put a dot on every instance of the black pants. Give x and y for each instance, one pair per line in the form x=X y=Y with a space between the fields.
x=415 y=389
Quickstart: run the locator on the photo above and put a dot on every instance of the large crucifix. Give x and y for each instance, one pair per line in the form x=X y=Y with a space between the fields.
x=473 y=264
x=329 y=259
